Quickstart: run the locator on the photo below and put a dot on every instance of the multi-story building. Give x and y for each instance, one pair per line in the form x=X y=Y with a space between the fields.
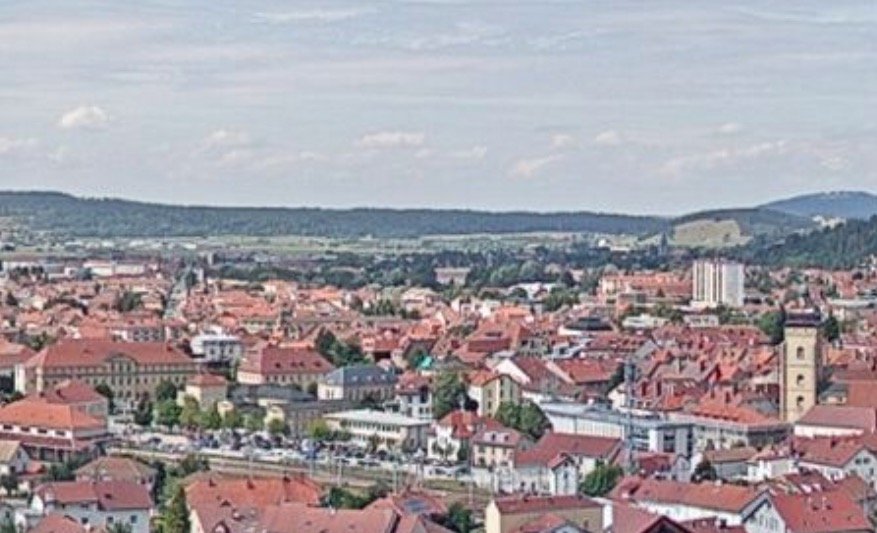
x=283 y=366
x=717 y=282
x=496 y=448
x=386 y=430
x=414 y=396
x=50 y=431
x=358 y=382
x=650 y=432
x=217 y=348
x=491 y=389
x=130 y=369
x=98 y=504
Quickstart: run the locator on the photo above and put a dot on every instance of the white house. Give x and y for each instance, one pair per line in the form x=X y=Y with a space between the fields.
x=98 y=504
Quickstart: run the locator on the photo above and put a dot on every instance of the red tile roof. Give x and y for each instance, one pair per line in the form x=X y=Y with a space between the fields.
x=535 y=504
x=37 y=412
x=78 y=353
x=825 y=512
x=273 y=360
x=108 y=495
x=552 y=445
x=717 y=497
x=210 y=488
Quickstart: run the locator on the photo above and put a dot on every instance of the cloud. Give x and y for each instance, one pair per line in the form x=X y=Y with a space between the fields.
x=312 y=15
x=391 y=139
x=724 y=157
x=730 y=128
x=526 y=168
x=84 y=117
x=227 y=138
x=476 y=152
x=562 y=140
x=11 y=146
x=608 y=138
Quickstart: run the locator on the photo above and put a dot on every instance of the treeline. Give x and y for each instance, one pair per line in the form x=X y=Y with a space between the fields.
x=842 y=247
x=68 y=215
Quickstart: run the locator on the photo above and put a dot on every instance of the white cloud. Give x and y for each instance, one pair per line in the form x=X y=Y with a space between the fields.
x=391 y=139
x=476 y=152
x=562 y=140
x=526 y=168
x=11 y=146
x=312 y=15
x=723 y=157
x=227 y=138
x=730 y=128
x=608 y=138
x=84 y=117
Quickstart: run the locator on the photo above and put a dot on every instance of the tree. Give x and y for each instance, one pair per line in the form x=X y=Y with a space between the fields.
x=374 y=441
x=233 y=420
x=831 y=329
x=525 y=417
x=277 y=427
x=319 y=430
x=9 y=483
x=165 y=390
x=104 y=390
x=119 y=527
x=447 y=393
x=128 y=301
x=143 y=412
x=600 y=480
x=210 y=418
x=463 y=452
x=459 y=519
x=167 y=413
x=312 y=388
x=772 y=324
x=175 y=518
x=704 y=471
x=253 y=423
x=190 y=464
x=190 y=414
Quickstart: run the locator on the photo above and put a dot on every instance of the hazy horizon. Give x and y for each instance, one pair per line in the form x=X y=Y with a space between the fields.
x=659 y=108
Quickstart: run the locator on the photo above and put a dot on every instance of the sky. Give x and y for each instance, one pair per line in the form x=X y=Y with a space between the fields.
x=649 y=106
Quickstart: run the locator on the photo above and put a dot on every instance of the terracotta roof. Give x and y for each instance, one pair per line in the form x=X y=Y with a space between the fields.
x=825 y=512
x=210 y=488
x=83 y=353
x=535 y=504
x=59 y=523
x=840 y=416
x=37 y=412
x=713 y=496
x=116 y=469
x=829 y=451
x=71 y=392
x=207 y=380
x=108 y=495
x=273 y=360
x=296 y=518
x=412 y=502
x=553 y=444
x=546 y=523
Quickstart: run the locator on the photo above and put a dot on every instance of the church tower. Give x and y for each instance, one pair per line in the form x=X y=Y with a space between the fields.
x=800 y=365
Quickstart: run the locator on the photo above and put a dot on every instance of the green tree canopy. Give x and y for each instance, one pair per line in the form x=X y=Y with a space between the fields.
x=601 y=480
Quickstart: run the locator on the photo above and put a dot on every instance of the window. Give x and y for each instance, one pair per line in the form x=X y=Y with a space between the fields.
x=799 y=381
x=799 y=402
x=800 y=353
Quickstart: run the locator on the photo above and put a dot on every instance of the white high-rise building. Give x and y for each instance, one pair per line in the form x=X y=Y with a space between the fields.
x=717 y=282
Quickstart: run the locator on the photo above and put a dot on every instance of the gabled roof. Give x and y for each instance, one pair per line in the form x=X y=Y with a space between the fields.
x=535 y=504
x=825 y=512
x=107 y=495
x=553 y=444
x=712 y=496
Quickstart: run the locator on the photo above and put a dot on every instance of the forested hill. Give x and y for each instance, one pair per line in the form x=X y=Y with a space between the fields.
x=845 y=246
x=67 y=215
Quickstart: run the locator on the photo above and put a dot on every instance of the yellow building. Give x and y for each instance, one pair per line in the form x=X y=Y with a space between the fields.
x=491 y=389
x=504 y=515
x=801 y=365
x=130 y=369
